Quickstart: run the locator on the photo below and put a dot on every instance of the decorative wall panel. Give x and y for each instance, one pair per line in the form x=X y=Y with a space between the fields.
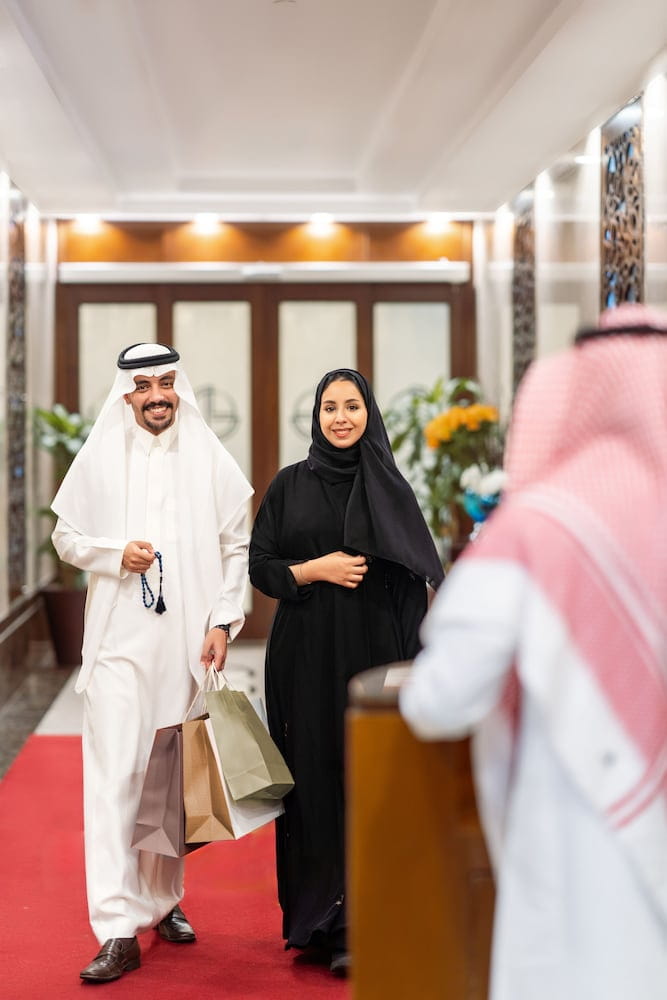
x=622 y=236
x=523 y=287
x=654 y=168
x=16 y=397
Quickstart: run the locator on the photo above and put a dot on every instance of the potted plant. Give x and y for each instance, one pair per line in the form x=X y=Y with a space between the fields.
x=61 y=434
x=438 y=434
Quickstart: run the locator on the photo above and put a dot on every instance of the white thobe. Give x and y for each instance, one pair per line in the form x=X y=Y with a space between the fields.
x=141 y=681
x=573 y=921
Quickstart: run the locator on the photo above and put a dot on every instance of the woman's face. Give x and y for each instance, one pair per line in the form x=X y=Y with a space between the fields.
x=343 y=414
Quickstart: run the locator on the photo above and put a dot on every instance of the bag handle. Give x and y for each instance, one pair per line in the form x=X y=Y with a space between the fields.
x=208 y=684
x=218 y=681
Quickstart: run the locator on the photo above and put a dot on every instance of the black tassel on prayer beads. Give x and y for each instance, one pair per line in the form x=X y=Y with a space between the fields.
x=147 y=594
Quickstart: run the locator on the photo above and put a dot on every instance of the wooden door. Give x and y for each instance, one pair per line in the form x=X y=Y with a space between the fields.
x=257 y=350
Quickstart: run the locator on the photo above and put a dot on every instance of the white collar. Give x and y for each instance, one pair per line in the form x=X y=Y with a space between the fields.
x=147 y=441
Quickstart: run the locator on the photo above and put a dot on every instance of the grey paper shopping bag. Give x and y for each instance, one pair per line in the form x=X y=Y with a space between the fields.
x=249 y=814
x=251 y=762
x=160 y=822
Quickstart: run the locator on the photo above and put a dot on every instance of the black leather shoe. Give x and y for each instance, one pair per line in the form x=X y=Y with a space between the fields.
x=340 y=963
x=175 y=927
x=116 y=956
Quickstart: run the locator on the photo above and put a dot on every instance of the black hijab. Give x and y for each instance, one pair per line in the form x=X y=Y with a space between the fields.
x=382 y=517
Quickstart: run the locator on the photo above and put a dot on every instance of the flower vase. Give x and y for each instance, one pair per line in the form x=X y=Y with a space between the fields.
x=453 y=535
x=478 y=506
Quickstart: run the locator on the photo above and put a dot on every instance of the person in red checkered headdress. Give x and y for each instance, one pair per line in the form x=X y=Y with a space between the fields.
x=548 y=641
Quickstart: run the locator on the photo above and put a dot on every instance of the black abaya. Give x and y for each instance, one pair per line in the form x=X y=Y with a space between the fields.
x=322 y=635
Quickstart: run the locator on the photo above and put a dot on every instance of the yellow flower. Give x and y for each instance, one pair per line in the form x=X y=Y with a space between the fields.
x=441 y=428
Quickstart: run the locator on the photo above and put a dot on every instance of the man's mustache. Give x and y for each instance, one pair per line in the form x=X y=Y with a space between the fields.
x=155 y=406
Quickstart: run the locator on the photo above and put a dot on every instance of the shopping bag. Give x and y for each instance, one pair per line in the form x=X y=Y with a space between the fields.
x=251 y=762
x=160 y=822
x=204 y=802
x=249 y=815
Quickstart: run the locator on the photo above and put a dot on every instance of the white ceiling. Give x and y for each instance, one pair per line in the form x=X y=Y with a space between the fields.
x=279 y=108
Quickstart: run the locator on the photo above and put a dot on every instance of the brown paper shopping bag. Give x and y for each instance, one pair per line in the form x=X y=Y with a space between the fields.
x=210 y=811
x=251 y=761
x=206 y=812
x=160 y=822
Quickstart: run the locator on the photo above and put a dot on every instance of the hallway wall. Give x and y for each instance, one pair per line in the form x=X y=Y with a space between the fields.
x=27 y=289
x=570 y=206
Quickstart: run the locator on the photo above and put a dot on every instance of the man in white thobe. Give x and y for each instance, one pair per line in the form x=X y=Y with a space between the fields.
x=155 y=510
x=548 y=641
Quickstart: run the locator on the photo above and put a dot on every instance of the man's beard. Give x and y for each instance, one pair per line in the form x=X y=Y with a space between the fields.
x=160 y=426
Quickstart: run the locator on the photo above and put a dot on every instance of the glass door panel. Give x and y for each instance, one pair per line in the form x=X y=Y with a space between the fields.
x=104 y=330
x=213 y=339
x=410 y=347
x=313 y=338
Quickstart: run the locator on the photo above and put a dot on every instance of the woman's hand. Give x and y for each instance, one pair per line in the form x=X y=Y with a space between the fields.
x=137 y=557
x=335 y=567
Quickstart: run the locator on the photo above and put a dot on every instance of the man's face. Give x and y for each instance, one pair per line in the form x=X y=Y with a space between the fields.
x=154 y=401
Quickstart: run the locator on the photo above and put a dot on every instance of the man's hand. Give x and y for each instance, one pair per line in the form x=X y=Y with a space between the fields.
x=137 y=557
x=214 y=650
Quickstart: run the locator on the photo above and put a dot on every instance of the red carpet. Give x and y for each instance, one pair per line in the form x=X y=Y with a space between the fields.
x=45 y=938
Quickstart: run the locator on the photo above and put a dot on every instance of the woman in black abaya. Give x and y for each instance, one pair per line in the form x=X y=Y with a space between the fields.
x=339 y=539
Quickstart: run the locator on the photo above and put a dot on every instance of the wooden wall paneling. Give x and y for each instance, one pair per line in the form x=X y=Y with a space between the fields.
x=248 y=242
x=365 y=332
x=463 y=331
x=115 y=242
x=165 y=315
x=265 y=421
x=416 y=241
x=66 y=375
x=265 y=425
x=465 y=247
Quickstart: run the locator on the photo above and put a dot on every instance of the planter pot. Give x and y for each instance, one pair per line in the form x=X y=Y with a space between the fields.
x=64 y=611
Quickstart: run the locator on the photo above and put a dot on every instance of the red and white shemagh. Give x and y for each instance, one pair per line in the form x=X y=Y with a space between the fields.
x=585 y=516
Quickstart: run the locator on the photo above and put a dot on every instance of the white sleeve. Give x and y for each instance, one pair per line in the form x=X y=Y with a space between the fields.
x=470 y=638
x=102 y=556
x=234 y=541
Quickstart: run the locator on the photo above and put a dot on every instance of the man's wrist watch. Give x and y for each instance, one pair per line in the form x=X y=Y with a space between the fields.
x=225 y=629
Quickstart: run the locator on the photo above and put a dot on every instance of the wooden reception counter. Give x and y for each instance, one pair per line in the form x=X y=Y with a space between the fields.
x=419 y=881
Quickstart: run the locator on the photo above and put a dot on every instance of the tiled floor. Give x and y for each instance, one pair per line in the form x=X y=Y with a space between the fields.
x=41 y=697
x=26 y=692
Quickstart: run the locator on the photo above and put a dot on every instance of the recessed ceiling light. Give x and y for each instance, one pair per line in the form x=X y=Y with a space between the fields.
x=437 y=223
x=87 y=223
x=206 y=223
x=321 y=224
